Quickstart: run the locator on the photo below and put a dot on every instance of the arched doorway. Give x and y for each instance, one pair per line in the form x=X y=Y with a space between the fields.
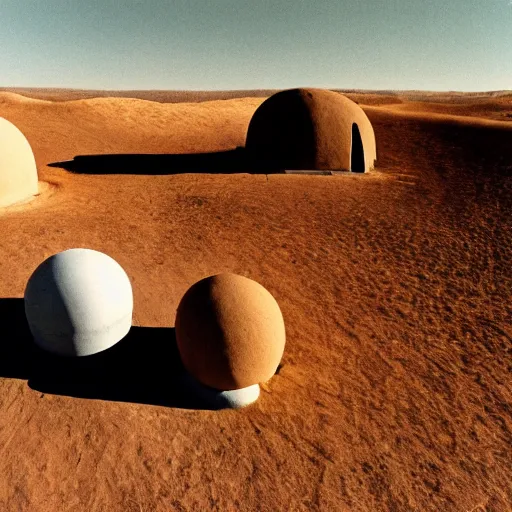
x=357 y=151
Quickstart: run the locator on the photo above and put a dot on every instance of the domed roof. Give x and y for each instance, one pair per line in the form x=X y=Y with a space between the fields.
x=18 y=171
x=230 y=332
x=78 y=302
x=313 y=129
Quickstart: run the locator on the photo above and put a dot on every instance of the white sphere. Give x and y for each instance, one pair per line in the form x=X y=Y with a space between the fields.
x=217 y=399
x=18 y=171
x=78 y=302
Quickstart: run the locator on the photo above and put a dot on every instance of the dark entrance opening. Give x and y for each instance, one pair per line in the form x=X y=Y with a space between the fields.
x=357 y=153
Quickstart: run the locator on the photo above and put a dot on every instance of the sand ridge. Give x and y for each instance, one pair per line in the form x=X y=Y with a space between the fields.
x=395 y=288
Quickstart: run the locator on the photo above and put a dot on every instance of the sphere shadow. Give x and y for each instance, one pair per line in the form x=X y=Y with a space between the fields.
x=144 y=367
x=233 y=161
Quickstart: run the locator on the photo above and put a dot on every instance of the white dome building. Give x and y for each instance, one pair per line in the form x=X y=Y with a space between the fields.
x=18 y=171
x=78 y=302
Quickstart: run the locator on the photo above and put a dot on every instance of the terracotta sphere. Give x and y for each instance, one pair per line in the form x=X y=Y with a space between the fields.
x=230 y=332
x=312 y=129
x=18 y=171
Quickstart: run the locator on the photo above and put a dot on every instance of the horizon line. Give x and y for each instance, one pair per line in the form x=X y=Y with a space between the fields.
x=354 y=90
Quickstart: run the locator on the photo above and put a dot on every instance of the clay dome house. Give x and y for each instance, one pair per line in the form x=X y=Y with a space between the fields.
x=18 y=171
x=311 y=129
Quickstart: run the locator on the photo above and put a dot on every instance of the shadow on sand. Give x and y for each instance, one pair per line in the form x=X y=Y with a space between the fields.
x=144 y=367
x=222 y=162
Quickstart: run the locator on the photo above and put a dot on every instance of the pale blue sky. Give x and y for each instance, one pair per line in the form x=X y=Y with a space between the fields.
x=463 y=45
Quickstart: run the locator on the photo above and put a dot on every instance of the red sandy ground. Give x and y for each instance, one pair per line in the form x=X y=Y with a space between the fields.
x=395 y=392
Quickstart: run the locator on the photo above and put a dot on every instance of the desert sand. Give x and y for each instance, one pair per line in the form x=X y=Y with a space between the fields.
x=394 y=392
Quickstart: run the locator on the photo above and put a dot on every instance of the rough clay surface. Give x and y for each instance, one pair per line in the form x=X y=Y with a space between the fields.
x=394 y=389
x=309 y=129
x=18 y=172
x=78 y=302
x=230 y=332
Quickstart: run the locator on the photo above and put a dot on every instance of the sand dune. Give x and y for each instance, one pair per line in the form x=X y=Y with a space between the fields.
x=394 y=392
x=495 y=110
